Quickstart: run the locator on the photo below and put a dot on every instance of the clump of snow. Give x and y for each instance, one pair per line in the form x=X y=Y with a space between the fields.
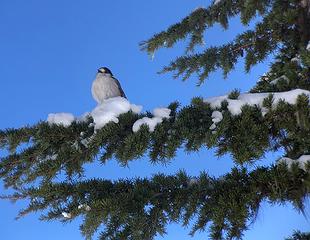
x=308 y=46
x=159 y=115
x=84 y=207
x=150 y=122
x=275 y=81
x=64 y=119
x=51 y=157
x=216 y=118
x=217 y=1
x=86 y=141
x=213 y=126
x=66 y=215
x=301 y=161
x=297 y=60
x=83 y=117
x=110 y=110
x=47 y=158
x=162 y=112
x=76 y=146
x=252 y=99
x=135 y=108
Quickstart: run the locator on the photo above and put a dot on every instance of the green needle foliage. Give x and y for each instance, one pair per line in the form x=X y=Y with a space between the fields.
x=284 y=24
x=46 y=150
x=142 y=208
x=299 y=236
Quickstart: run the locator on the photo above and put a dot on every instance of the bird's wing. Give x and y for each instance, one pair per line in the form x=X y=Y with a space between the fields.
x=120 y=88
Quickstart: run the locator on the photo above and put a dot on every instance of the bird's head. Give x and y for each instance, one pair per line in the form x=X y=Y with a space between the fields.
x=105 y=70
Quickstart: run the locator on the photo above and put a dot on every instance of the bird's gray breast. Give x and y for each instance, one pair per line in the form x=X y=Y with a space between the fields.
x=104 y=86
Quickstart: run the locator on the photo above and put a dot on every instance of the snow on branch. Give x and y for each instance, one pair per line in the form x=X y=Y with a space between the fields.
x=112 y=108
x=109 y=111
x=64 y=119
x=252 y=99
x=302 y=161
x=217 y=2
x=66 y=142
x=159 y=115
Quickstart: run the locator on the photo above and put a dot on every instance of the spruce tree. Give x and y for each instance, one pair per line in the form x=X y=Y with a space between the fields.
x=275 y=112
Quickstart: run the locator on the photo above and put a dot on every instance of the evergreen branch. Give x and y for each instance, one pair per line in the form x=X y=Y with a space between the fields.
x=255 y=44
x=196 y=23
x=224 y=57
x=277 y=29
x=52 y=148
x=299 y=236
x=141 y=208
x=289 y=71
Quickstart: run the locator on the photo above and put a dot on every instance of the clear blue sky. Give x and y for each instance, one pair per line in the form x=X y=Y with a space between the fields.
x=49 y=53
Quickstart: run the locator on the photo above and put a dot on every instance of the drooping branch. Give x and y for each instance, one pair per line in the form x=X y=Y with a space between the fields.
x=249 y=44
x=141 y=208
x=196 y=23
x=278 y=29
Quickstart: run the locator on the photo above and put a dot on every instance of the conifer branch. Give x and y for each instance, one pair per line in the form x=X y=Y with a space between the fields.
x=277 y=29
x=246 y=126
x=196 y=23
x=52 y=148
x=141 y=208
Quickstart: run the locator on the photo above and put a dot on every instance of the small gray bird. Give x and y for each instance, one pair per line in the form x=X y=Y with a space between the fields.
x=106 y=86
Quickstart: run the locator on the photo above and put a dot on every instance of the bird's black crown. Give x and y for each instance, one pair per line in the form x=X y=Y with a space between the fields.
x=105 y=70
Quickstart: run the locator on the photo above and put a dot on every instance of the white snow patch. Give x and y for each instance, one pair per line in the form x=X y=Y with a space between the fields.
x=297 y=60
x=76 y=146
x=217 y=1
x=110 y=109
x=84 y=207
x=252 y=99
x=213 y=126
x=308 y=46
x=217 y=116
x=47 y=158
x=66 y=215
x=64 y=119
x=136 y=108
x=275 y=81
x=159 y=115
x=150 y=122
x=162 y=112
x=85 y=142
x=83 y=117
x=301 y=161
